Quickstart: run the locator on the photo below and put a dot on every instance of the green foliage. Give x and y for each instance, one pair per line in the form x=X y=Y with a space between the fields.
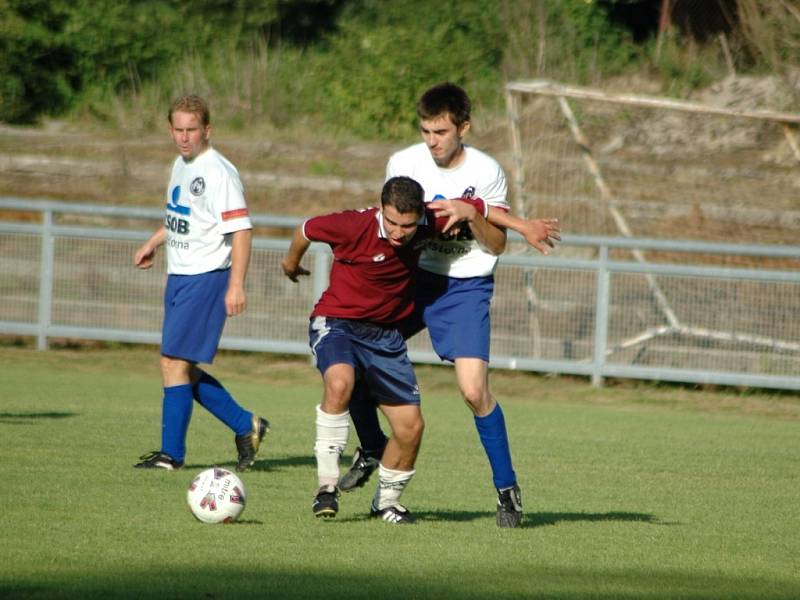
x=384 y=55
x=683 y=68
x=36 y=68
x=57 y=53
x=565 y=40
x=349 y=65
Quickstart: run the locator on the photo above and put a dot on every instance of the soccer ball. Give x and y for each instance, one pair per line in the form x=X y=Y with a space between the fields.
x=216 y=496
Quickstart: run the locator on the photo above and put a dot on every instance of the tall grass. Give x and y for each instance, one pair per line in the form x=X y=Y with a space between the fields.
x=362 y=78
x=771 y=31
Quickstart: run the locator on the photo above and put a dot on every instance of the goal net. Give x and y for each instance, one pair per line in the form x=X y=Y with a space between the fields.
x=624 y=165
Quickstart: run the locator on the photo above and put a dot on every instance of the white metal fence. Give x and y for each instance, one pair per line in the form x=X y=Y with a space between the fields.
x=592 y=308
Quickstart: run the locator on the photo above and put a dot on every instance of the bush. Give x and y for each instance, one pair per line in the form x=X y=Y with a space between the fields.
x=35 y=66
x=384 y=55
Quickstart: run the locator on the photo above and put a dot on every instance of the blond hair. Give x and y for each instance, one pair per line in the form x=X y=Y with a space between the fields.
x=192 y=104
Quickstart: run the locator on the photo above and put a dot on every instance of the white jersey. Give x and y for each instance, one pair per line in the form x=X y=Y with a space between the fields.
x=477 y=176
x=205 y=204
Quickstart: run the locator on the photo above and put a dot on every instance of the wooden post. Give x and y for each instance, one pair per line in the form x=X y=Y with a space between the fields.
x=664 y=25
x=619 y=219
x=512 y=108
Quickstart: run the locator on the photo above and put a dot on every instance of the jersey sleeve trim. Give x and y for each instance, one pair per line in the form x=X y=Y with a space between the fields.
x=234 y=214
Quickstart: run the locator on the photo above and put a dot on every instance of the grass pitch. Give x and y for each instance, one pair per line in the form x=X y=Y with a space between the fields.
x=632 y=491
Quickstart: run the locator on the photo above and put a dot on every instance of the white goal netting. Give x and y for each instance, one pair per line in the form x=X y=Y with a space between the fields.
x=619 y=164
x=629 y=166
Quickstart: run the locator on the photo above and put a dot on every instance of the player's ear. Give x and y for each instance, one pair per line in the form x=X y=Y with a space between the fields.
x=207 y=132
x=463 y=129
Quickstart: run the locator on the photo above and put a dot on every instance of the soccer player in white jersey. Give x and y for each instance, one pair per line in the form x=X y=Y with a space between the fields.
x=208 y=234
x=455 y=282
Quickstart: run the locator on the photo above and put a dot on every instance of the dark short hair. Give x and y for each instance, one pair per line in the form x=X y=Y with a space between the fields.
x=193 y=104
x=445 y=98
x=403 y=194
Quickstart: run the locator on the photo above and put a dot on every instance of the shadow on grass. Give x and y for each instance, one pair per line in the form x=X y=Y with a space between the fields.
x=314 y=581
x=30 y=418
x=532 y=519
x=263 y=464
x=541 y=519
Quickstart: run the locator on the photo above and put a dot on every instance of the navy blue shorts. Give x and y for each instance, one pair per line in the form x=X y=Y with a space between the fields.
x=194 y=315
x=378 y=355
x=456 y=313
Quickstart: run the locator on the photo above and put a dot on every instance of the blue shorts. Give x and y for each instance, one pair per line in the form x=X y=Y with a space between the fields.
x=194 y=315
x=456 y=313
x=378 y=354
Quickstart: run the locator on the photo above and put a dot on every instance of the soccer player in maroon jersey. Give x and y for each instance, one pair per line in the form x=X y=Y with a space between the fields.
x=353 y=335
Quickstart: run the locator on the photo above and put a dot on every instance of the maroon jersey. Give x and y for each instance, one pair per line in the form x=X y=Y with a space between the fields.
x=370 y=279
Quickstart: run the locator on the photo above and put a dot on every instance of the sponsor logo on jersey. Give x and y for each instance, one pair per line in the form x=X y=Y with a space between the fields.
x=462 y=234
x=447 y=249
x=198 y=186
x=173 y=205
x=234 y=214
x=379 y=257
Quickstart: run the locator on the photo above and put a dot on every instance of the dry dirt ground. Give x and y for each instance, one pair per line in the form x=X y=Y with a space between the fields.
x=281 y=176
x=749 y=194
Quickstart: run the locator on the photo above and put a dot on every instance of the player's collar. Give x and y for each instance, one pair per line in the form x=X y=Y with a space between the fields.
x=462 y=160
x=200 y=157
x=381 y=228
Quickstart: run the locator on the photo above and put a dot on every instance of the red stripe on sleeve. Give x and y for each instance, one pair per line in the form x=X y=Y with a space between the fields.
x=234 y=214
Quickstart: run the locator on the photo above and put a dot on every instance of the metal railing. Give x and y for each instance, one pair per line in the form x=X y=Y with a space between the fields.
x=588 y=309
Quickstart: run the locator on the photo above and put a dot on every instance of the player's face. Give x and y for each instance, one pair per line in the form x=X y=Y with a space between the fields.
x=443 y=139
x=189 y=134
x=400 y=227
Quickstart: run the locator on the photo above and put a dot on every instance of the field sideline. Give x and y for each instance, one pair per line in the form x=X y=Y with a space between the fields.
x=631 y=491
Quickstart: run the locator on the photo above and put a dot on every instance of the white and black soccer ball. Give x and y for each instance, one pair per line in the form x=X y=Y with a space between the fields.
x=216 y=496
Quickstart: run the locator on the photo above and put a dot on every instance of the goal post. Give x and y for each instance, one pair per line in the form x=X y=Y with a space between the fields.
x=637 y=166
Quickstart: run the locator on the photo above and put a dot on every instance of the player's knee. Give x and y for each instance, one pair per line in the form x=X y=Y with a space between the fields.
x=476 y=397
x=409 y=432
x=417 y=429
x=337 y=392
x=174 y=368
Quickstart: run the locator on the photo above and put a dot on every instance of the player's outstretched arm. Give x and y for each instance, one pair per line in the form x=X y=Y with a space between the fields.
x=539 y=233
x=458 y=210
x=291 y=262
x=235 y=300
x=143 y=258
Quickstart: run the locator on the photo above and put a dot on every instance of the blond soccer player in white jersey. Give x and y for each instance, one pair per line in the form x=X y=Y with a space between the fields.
x=455 y=281
x=207 y=233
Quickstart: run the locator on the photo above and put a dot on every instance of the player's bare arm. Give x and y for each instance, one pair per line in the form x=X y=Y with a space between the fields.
x=235 y=299
x=491 y=237
x=291 y=262
x=143 y=258
x=539 y=233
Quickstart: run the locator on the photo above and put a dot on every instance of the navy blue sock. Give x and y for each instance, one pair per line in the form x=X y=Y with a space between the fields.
x=216 y=400
x=492 y=431
x=364 y=413
x=175 y=415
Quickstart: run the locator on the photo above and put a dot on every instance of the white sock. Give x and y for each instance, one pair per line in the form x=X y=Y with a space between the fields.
x=391 y=484
x=332 y=431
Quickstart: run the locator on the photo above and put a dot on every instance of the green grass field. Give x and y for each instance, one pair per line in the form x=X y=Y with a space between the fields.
x=630 y=491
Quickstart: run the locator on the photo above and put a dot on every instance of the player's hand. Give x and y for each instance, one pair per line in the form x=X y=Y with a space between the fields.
x=293 y=271
x=144 y=256
x=234 y=301
x=541 y=234
x=455 y=211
